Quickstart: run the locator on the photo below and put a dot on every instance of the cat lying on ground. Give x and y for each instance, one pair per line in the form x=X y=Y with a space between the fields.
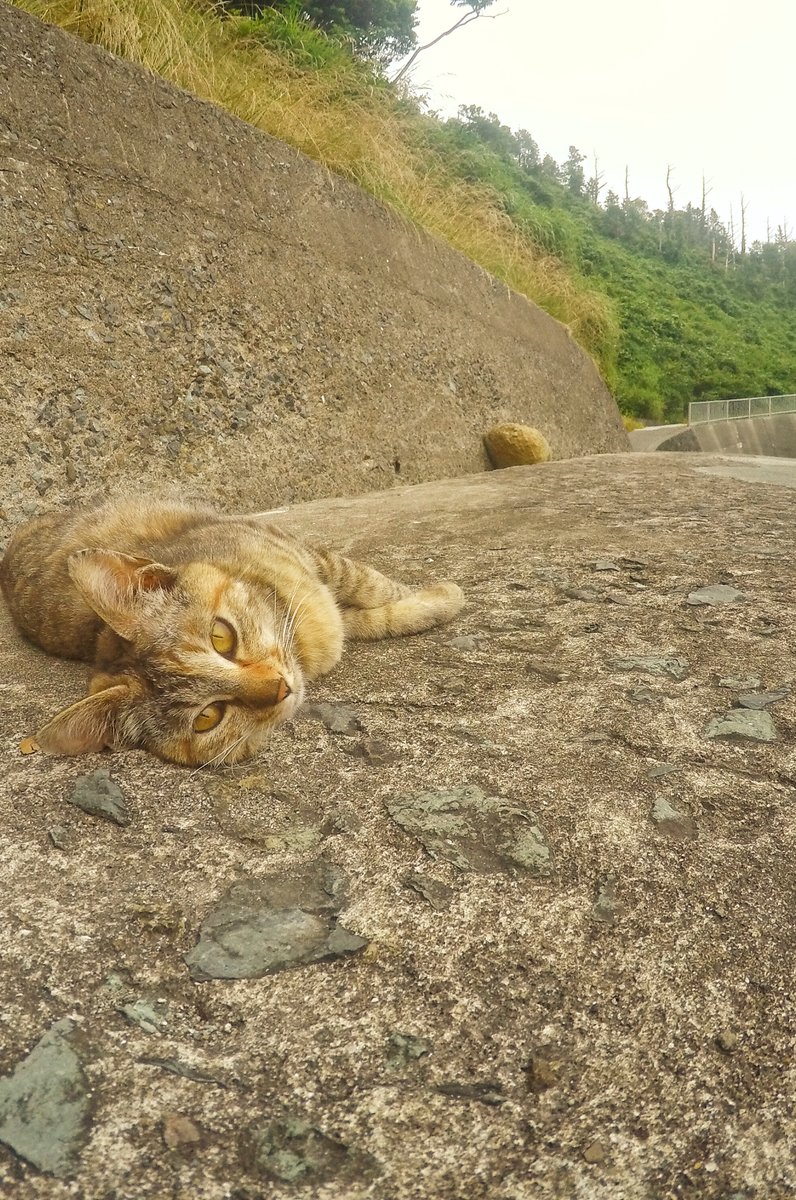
x=203 y=628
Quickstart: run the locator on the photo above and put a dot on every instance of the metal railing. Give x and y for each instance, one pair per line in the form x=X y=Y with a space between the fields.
x=734 y=410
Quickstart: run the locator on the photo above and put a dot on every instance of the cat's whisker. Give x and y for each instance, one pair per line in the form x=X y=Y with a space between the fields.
x=222 y=754
x=290 y=632
x=286 y=614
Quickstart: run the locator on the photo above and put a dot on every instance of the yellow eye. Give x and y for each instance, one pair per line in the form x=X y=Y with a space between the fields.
x=223 y=638
x=209 y=717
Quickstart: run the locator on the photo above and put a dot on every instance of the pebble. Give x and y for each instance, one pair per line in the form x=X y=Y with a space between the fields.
x=607 y=906
x=740 y=683
x=465 y=642
x=540 y=1073
x=45 y=1104
x=474 y=831
x=662 y=769
x=259 y=926
x=438 y=894
x=672 y=822
x=595 y=1152
x=146 y=1016
x=98 y=795
x=743 y=723
x=336 y=717
x=292 y=1150
x=404 y=1048
x=180 y=1133
x=761 y=700
x=716 y=593
x=727 y=1041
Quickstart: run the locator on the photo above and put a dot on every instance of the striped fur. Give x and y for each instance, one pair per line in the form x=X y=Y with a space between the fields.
x=137 y=587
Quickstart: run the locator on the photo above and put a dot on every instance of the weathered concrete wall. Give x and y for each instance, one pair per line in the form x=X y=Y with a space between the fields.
x=619 y=1026
x=773 y=436
x=185 y=298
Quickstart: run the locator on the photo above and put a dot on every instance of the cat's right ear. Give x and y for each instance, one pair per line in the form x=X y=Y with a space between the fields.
x=117 y=586
x=86 y=727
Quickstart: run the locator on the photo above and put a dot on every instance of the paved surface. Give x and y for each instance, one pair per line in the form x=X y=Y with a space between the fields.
x=555 y=910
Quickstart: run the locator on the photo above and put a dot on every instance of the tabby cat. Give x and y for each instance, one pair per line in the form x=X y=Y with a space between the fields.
x=202 y=628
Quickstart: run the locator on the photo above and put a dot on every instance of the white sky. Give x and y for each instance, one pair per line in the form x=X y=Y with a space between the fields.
x=707 y=87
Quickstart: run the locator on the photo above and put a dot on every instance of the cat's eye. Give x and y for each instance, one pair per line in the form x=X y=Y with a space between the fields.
x=224 y=638
x=208 y=718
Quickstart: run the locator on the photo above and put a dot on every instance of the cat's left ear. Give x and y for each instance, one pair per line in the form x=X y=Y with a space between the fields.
x=118 y=586
x=88 y=726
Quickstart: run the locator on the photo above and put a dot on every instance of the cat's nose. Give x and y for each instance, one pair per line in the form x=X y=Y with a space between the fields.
x=264 y=687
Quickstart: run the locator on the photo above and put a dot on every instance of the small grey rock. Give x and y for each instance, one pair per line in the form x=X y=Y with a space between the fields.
x=761 y=700
x=654 y=664
x=584 y=594
x=716 y=593
x=607 y=907
x=465 y=642
x=662 y=769
x=606 y=564
x=743 y=723
x=149 y=1017
x=438 y=894
x=98 y=795
x=404 y=1048
x=59 y=836
x=474 y=831
x=292 y=1150
x=336 y=717
x=260 y=926
x=44 y=1104
x=727 y=1041
x=741 y=683
x=644 y=695
x=672 y=822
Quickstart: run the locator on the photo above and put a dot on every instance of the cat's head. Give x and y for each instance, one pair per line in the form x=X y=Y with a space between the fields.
x=206 y=668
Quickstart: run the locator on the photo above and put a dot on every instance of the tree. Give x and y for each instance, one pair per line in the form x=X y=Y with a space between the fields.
x=384 y=29
x=573 y=173
x=473 y=10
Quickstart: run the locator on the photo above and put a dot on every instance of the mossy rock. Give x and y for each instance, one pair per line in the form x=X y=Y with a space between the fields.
x=516 y=446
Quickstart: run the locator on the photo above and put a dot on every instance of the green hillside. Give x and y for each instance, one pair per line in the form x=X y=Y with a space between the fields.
x=669 y=306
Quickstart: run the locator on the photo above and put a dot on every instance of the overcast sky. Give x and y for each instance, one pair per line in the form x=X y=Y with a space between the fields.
x=704 y=86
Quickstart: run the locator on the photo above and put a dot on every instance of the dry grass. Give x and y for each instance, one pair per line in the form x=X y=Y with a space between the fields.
x=342 y=117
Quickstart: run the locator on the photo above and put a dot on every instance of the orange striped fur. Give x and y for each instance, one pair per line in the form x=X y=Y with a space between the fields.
x=203 y=628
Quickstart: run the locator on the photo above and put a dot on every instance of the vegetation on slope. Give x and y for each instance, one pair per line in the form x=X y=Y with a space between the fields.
x=663 y=301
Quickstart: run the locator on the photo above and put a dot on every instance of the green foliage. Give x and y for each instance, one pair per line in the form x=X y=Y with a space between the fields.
x=697 y=320
x=380 y=29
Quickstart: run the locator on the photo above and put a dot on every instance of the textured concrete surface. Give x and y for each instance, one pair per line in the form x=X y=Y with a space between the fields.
x=773 y=436
x=644 y=441
x=578 y=984
x=182 y=297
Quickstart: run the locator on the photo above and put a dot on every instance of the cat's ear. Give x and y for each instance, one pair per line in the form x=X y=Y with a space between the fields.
x=117 y=585
x=85 y=727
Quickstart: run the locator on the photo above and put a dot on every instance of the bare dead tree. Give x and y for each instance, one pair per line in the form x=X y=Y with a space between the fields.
x=669 y=188
x=705 y=193
x=744 y=207
x=627 y=187
x=596 y=183
x=475 y=9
